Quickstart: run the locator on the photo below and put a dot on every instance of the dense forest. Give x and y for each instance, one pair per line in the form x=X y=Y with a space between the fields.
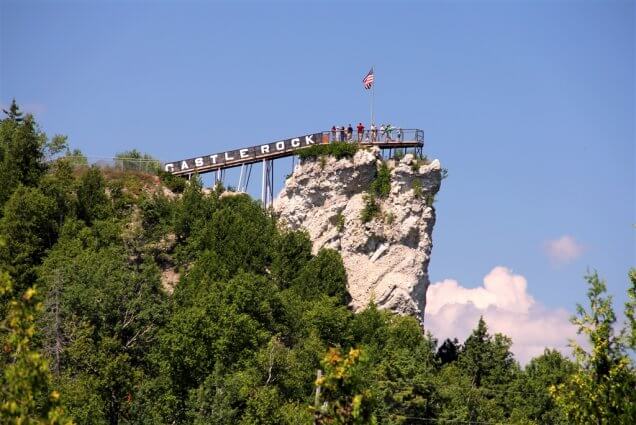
x=257 y=329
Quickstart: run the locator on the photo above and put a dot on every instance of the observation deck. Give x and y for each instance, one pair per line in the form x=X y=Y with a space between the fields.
x=395 y=139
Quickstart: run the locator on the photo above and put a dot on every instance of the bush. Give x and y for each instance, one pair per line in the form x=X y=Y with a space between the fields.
x=339 y=150
x=381 y=186
x=340 y=222
x=417 y=188
x=371 y=208
x=172 y=182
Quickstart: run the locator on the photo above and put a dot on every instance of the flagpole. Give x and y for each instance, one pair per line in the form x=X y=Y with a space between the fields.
x=373 y=95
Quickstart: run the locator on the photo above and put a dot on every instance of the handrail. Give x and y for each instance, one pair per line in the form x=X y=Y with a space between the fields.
x=385 y=139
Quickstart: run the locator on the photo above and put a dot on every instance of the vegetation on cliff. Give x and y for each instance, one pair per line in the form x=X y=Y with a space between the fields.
x=90 y=333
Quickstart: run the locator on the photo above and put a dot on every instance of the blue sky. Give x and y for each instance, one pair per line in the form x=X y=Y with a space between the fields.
x=529 y=105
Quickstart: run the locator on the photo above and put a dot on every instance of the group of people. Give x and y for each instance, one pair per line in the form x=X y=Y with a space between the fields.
x=342 y=134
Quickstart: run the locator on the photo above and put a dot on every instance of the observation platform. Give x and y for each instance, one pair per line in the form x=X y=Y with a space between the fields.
x=396 y=139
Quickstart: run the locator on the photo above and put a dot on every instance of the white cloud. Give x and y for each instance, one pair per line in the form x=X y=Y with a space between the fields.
x=453 y=311
x=564 y=249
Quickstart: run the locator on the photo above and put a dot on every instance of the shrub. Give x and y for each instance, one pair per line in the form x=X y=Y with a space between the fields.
x=417 y=188
x=340 y=222
x=371 y=208
x=381 y=186
x=339 y=150
x=172 y=182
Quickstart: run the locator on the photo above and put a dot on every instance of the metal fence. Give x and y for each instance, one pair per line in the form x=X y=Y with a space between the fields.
x=374 y=136
x=140 y=165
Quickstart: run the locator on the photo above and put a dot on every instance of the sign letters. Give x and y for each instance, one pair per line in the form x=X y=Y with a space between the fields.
x=242 y=156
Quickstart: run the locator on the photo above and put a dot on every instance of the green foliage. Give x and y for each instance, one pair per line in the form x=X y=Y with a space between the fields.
x=92 y=201
x=29 y=224
x=449 y=351
x=172 y=182
x=417 y=188
x=75 y=158
x=340 y=222
x=21 y=152
x=135 y=160
x=252 y=316
x=323 y=275
x=630 y=310
x=346 y=401
x=381 y=185
x=602 y=389
x=103 y=314
x=371 y=208
x=531 y=394
x=292 y=251
x=25 y=381
x=338 y=150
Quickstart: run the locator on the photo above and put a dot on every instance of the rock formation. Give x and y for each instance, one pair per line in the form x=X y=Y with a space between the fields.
x=387 y=257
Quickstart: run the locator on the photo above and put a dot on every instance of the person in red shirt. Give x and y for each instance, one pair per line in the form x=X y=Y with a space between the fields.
x=360 y=128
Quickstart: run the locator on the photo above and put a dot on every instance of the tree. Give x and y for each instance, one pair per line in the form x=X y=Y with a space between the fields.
x=14 y=114
x=343 y=396
x=92 y=202
x=21 y=152
x=29 y=224
x=323 y=275
x=630 y=310
x=292 y=250
x=474 y=387
x=487 y=359
x=449 y=351
x=60 y=185
x=603 y=389
x=531 y=393
x=102 y=316
x=25 y=382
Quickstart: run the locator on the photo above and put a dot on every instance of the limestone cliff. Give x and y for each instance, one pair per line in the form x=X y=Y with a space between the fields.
x=386 y=258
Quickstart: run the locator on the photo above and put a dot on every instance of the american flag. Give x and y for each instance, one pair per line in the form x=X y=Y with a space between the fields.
x=368 y=80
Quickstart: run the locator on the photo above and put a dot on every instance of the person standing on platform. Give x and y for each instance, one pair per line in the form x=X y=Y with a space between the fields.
x=374 y=133
x=382 y=132
x=360 y=129
x=388 y=130
x=399 y=134
x=349 y=133
x=342 y=133
x=333 y=133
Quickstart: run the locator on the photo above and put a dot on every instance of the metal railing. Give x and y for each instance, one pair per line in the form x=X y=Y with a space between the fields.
x=142 y=165
x=378 y=135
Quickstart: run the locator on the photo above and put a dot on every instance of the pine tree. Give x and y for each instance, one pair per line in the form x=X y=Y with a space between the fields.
x=14 y=114
x=603 y=389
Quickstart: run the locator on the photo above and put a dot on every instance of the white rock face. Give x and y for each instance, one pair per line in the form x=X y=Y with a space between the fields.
x=387 y=258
